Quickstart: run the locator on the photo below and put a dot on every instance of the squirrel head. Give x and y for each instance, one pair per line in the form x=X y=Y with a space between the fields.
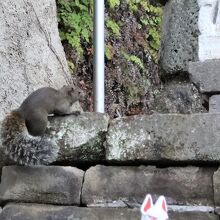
x=73 y=92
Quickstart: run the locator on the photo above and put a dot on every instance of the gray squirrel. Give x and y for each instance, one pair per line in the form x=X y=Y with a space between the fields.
x=22 y=131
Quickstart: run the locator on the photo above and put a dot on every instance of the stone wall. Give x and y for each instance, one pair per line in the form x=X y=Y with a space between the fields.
x=106 y=167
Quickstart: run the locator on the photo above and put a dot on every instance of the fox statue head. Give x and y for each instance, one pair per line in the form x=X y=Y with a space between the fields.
x=150 y=211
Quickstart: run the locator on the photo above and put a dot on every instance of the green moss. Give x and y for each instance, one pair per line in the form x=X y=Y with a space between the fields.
x=136 y=60
x=113 y=3
x=113 y=26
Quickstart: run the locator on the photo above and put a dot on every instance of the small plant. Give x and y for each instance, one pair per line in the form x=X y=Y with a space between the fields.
x=133 y=59
x=151 y=21
x=75 y=21
x=113 y=26
x=109 y=51
x=113 y=3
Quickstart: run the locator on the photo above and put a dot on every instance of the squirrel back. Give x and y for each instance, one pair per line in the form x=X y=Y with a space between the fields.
x=22 y=131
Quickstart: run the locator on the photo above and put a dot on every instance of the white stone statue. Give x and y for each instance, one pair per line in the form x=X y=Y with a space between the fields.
x=209 y=27
x=157 y=211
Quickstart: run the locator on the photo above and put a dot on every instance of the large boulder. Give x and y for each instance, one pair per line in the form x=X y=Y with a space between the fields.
x=41 y=184
x=164 y=138
x=179 y=43
x=31 y=52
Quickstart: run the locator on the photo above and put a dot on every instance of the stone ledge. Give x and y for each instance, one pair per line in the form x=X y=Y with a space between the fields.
x=45 y=212
x=164 y=138
x=41 y=184
x=206 y=75
x=127 y=186
x=80 y=138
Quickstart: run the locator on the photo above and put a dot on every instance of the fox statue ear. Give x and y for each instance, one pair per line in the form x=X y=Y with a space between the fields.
x=147 y=204
x=161 y=203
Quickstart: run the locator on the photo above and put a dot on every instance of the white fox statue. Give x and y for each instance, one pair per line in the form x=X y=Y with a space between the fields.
x=150 y=211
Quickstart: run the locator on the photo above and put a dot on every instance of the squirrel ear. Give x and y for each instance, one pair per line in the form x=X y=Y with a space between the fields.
x=147 y=204
x=161 y=203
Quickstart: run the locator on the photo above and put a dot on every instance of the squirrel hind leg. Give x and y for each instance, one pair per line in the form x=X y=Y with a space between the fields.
x=36 y=126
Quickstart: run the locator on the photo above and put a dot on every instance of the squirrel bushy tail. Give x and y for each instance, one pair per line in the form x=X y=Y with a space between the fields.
x=22 y=147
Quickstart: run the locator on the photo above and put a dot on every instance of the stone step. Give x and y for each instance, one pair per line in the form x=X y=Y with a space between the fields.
x=108 y=186
x=164 y=138
x=45 y=212
x=206 y=75
x=151 y=139
x=127 y=186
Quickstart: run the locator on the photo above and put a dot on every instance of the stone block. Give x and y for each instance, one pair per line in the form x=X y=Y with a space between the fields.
x=127 y=186
x=208 y=23
x=214 y=104
x=179 y=42
x=80 y=138
x=209 y=48
x=45 y=212
x=192 y=216
x=41 y=184
x=164 y=138
x=206 y=75
x=178 y=97
x=216 y=183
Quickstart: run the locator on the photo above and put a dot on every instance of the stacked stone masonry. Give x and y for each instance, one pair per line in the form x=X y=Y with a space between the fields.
x=106 y=192
x=171 y=154
x=140 y=144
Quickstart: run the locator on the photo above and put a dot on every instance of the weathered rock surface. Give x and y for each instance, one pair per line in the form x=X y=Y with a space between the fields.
x=179 y=43
x=45 y=212
x=178 y=97
x=214 y=104
x=164 y=138
x=121 y=186
x=31 y=52
x=206 y=75
x=192 y=216
x=80 y=137
x=41 y=184
x=216 y=183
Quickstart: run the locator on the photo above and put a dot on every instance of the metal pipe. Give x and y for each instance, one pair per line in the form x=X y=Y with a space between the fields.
x=99 y=62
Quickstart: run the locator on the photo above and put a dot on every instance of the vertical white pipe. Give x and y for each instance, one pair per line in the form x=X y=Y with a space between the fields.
x=99 y=62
